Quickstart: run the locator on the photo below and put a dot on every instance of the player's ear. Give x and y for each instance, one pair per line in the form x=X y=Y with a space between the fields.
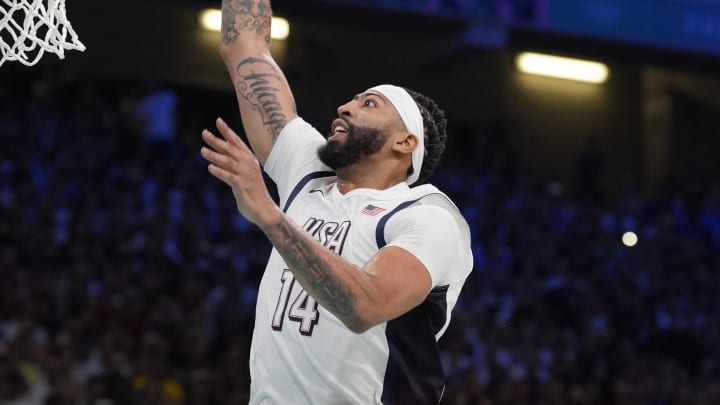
x=405 y=143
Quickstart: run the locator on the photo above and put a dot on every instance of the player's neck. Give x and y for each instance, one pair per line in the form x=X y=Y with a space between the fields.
x=352 y=178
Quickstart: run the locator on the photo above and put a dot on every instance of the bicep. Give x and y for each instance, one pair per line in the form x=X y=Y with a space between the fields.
x=264 y=97
x=422 y=247
x=400 y=282
x=431 y=234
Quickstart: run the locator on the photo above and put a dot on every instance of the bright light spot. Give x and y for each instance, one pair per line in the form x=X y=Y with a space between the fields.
x=211 y=20
x=280 y=28
x=561 y=67
x=629 y=239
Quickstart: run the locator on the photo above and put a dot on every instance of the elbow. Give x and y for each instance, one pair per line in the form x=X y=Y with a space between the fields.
x=231 y=52
x=356 y=326
x=358 y=311
x=357 y=323
x=226 y=51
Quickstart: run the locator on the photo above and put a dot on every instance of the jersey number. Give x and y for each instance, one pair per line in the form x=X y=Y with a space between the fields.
x=302 y=310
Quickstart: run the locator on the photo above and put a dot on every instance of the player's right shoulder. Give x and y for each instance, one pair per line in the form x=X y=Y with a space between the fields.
x=297 y=137
x=294 y=155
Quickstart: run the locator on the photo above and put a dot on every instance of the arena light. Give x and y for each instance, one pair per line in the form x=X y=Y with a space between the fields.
x=629 y=239
x=211 y=20
x=561 y=67
x=280 y=28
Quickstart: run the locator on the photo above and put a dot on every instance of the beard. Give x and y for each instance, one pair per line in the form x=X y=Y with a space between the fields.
x=359 y=143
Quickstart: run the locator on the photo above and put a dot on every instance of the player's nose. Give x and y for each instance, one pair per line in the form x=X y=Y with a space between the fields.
x=345 y=110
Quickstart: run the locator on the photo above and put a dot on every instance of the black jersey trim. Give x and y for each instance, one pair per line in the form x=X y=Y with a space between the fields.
x=380 y=229
x=414 y=373
x=302 y=183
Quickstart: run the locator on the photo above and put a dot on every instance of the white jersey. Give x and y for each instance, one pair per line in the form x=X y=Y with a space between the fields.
x=301 y=353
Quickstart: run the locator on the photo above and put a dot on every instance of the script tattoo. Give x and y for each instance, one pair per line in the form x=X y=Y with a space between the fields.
x=255 y=86
x=314 y=273
x=245 y=15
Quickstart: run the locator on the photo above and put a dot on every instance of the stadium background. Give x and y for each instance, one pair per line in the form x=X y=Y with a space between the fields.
x=128 y=277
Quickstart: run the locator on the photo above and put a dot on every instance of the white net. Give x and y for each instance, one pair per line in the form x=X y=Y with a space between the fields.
x=28 y=28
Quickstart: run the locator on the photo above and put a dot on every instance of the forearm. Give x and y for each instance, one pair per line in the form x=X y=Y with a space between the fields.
x=334 y=283
x=264 y=97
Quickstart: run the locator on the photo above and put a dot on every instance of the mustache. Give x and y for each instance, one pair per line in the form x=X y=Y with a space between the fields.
x=350 y=127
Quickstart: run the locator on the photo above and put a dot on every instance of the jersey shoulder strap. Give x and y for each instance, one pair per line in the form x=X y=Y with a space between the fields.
x=424 y=194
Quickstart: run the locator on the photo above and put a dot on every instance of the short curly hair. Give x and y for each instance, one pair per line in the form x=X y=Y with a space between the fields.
x=435 y=126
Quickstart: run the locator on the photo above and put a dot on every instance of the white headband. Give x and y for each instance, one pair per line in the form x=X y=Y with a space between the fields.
x=411 y=117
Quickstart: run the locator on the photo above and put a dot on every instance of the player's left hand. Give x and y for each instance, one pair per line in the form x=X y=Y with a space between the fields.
x=234 y=163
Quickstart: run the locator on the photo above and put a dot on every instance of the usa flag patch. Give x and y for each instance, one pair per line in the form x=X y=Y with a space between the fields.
x=372 y=210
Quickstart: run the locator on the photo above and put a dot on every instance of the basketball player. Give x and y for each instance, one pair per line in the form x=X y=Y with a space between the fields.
x=365 y=270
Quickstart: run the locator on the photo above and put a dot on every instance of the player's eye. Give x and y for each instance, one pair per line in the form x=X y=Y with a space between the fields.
x=370 y=103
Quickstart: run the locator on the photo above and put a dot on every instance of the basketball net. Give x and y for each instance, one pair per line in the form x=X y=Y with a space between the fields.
x=43 y=29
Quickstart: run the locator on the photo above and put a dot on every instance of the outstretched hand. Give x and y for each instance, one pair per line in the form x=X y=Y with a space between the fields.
x=234 y=163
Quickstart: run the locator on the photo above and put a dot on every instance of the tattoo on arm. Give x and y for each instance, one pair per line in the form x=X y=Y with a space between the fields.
x=256 y=86
x=245 y=15
x=313 y=272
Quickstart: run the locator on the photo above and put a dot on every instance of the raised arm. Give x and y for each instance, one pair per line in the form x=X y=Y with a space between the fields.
x=264 y=97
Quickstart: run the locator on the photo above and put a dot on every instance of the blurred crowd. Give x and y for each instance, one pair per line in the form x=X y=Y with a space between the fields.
x=128 y=277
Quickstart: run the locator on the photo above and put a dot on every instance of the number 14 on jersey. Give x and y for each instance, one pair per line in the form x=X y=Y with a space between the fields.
x=303 y=309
